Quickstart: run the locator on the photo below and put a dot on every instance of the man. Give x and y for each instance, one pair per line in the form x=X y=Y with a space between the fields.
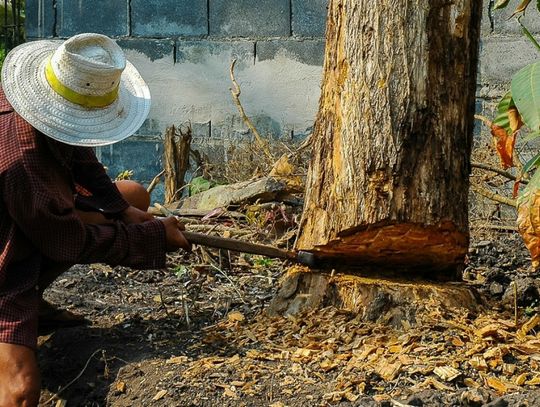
x=58 y=206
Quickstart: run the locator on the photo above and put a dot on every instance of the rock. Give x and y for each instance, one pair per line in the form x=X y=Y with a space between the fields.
x=528 y=291
x=483 y=243
x=500 y=402
x=475 y=397
x=496 y=289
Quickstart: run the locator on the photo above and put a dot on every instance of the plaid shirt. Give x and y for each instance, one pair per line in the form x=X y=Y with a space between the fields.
x=39 y=178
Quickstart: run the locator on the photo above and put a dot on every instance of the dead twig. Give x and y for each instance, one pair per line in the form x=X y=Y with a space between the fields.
x=487 y=167
x=493 y=196
x=236 y=98
x=54 y=396
x=155 y=181
x=230 y=281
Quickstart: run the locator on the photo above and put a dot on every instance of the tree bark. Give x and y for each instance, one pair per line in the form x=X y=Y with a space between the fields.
x=388 y=181
x=175 y=161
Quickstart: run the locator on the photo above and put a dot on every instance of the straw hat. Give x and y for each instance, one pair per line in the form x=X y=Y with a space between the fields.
x=81 y=91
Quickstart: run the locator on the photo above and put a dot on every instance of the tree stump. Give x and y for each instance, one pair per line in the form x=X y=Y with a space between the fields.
x=387 y=300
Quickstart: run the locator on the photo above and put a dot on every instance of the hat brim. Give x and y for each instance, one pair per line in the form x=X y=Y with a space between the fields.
x=27 y=90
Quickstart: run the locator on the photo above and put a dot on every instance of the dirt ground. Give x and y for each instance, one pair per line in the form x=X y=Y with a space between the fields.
x=196 y=335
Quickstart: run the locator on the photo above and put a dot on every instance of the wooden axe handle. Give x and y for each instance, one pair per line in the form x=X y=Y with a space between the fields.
x=238 y=245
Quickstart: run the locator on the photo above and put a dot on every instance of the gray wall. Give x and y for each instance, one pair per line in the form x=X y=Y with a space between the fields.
x=183 y=49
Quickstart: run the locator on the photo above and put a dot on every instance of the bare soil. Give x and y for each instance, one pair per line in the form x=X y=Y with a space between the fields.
x=197 y=335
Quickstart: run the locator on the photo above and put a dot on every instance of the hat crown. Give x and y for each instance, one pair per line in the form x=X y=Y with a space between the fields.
x=89 y=64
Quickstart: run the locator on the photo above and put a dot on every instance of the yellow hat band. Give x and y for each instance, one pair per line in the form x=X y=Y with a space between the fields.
x=77 y=98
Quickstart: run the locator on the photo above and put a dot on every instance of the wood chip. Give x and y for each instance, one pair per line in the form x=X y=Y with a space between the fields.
x=159 y=395
x=496 y=384
x=446 y=373
x=236 y=316
x=120 y=387
x=528 y=326
x=388 y=371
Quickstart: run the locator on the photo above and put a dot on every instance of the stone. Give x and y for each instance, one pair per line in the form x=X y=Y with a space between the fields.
x=309 y=17
x=39 y=18
x=496 y=289
x=245 y=18
x=105 y=17
x=163 y=18
x=528 y=292
x=474 y=397
x=310 y=52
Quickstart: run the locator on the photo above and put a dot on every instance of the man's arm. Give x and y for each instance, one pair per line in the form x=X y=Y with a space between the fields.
x=48 y=219
x=89 y=173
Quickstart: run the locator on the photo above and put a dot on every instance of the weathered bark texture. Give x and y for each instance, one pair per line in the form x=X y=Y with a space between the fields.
x=388 y=181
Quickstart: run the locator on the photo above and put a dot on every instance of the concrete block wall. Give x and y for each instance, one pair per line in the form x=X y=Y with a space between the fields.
x=184 y=48
x=504 y=50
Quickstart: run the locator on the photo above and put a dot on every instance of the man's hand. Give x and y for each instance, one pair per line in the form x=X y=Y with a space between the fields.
x=134 y=215
x=173 y=232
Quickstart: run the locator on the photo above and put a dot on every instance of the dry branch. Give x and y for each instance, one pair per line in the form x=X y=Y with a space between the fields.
x=236 y=98
x=493 y=196
x=496 y=170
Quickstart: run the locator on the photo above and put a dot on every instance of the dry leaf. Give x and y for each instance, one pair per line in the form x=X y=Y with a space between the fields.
x=496 y=384
x=535 y=381
x=159 y=395
x=177 y=360
x=528 y=223
x=504 y=143
x=528 y=326
x=521 y=379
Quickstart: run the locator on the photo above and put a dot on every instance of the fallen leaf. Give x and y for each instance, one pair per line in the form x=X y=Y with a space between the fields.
x=521 y=379
x=496 y=384
x=535 y=381
x=528 y=326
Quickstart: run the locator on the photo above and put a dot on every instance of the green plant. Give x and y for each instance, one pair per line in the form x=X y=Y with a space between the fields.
x=520 y=109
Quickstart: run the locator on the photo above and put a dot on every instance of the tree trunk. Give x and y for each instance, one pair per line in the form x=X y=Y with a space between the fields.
x=388 y=182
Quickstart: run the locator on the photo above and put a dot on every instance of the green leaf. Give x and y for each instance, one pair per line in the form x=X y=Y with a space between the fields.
x=502 y=4
x=532 y=163
x=526 y=94
x=200 y=184
x=502 y=119
x=538 y=4
x=532 y=186
x=528 y=34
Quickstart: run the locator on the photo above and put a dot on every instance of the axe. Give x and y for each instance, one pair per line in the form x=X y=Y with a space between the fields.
x=235 y=245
